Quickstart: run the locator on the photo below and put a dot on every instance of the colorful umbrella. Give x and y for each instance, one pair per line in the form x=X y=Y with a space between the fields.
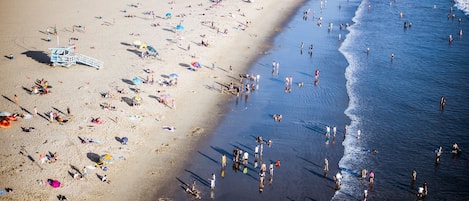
x=106 y=158
x=196 y=64
x=137 y=99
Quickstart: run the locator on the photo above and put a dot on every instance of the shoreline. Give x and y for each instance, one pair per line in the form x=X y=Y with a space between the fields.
x=313 y=151
x=68 y=87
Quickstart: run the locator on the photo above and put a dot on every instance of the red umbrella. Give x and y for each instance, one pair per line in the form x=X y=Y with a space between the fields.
x=195 y=64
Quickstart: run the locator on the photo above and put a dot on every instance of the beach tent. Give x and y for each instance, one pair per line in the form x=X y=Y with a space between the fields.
x=106 y=158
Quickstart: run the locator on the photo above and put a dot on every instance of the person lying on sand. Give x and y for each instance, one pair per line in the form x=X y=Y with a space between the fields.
x=169 y=128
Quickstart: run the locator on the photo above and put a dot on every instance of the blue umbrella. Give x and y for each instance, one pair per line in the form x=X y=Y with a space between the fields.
x=180 y=27
x=173 y=75
x=168 y=14
x=137 y=81
x=124 y=140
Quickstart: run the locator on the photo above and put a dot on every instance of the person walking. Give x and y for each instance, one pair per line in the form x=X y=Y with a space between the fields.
x=326 y=166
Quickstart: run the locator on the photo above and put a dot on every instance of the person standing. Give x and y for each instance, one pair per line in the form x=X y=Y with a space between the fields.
x=245 y=158
x=223 y=161
x=334 y=130
x=372 y=177
x=256 y=152
x=15 y=98
x=212 y=182
x=35 y=111
x=326 y=166
x=414 y=175
x=438 y=154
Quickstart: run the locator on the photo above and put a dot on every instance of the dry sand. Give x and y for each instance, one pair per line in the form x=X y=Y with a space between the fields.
x=153 y=155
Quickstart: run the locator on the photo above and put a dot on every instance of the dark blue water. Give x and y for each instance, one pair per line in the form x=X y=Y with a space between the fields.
x=396 y=104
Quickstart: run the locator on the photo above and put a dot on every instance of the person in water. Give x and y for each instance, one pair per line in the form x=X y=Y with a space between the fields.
x=442 y=103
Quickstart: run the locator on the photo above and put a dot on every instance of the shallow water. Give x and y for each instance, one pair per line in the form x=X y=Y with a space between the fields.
x=298 y=140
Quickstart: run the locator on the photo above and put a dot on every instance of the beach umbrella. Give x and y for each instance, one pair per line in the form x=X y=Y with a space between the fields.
x=173 y=75
x=137 y=99
x=106 y=158
x=137 y=43
x=168 y=15
x=195 y=64
x=179 y=27
x=124 y=140
x=151 y=49
x=4 y=114
x=137 y=81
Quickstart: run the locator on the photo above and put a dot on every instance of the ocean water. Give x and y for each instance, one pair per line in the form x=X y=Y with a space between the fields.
x=395 y=103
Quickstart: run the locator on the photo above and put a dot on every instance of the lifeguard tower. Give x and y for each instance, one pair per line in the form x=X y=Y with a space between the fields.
x=66 y=56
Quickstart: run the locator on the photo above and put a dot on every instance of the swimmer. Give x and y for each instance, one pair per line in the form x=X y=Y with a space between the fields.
x=442 y=103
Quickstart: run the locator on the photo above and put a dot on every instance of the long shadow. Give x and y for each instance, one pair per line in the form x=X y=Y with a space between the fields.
x=39 y=56
x=208 y=157
x=319 y=175
x=246 y=148
x=128 y=101
x=306 y=74
x=44 y=116
x=198 y=178
x=310 y=162
x=183 y=184
x=93 y=157
x=316 y=129
x=25 y=110
x=70 y=173
x=8 y=99
x=136 y=52
x=276 y=80
x=127 y=81
x=169 y=30
x=59 y=111
x=222 y=151
x=184 y=65
x=27 y=90
x=126 y=44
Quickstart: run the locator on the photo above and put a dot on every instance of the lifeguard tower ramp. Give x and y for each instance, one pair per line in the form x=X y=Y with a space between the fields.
x=65 y=56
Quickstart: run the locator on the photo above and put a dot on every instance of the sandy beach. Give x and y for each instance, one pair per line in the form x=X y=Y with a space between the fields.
x=160 y=135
